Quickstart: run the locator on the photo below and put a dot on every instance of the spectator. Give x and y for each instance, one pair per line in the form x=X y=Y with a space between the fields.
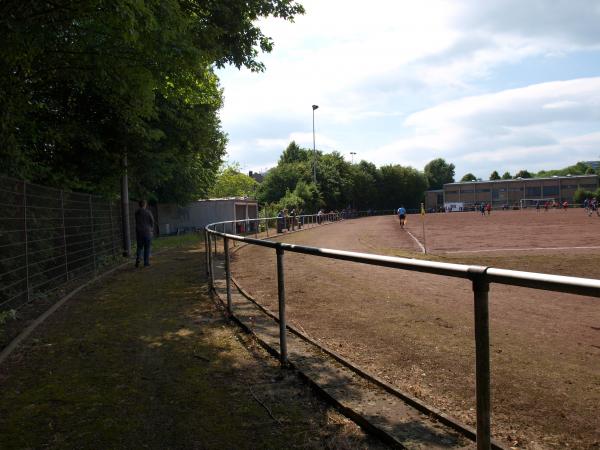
x=144 y=228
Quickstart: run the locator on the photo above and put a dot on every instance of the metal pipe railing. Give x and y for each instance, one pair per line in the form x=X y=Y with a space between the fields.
x=481 y=278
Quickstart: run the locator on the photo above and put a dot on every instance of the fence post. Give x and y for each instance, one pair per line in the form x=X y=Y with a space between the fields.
x=93 y=244
x=227 y=274
x=125 y=226
x=26 y=238
x=64 y=226
x=481 y=287
x=281 y=297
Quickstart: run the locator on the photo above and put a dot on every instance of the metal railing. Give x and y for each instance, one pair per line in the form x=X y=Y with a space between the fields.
x=481 y=277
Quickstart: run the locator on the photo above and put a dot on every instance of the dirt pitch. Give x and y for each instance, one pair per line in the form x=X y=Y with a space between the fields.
x=416 y=330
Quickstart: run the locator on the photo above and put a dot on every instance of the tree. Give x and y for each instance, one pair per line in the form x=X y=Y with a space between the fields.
x=523 y=174
x=363 y=182
x=280 y=179
x=87 y=82
x=468 y=177
x=310 y=195
x=400 y=185
x=232 y=183
x=494 y=175
x=290 y=201
x=293 y=154
x=438 y=173
x=506 y=176
x=334 y=180
x=580 y=168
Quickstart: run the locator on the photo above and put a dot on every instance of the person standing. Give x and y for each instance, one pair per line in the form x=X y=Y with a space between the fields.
x=402 y=216
x=144 y=229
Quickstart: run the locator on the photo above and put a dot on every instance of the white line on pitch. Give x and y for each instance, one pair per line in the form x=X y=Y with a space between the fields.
x=416 y=240
x=519 y=249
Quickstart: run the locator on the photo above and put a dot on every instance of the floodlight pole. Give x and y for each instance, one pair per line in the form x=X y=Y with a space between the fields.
x=352 y=156
x=314 y=147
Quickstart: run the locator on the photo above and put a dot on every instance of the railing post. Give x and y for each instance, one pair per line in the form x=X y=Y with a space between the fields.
x=481 y=288
x=210 y=263
x=227 y=273
x=206 y=251
x=281 y=297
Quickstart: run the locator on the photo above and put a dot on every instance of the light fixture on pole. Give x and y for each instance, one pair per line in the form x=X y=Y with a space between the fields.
x=314 y=147
x=352 y=154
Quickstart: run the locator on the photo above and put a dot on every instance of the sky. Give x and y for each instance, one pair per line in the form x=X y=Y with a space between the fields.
x=487 y=85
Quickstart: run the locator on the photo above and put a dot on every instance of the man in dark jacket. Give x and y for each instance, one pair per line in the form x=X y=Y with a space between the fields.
x=144 y=228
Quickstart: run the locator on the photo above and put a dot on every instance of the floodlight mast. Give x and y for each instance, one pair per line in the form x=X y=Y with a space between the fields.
x=314 y=147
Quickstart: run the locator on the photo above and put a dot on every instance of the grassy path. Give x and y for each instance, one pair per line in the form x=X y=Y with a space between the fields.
x=144 y=359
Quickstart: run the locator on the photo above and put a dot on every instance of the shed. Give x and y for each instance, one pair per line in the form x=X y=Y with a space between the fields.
x=174 y=219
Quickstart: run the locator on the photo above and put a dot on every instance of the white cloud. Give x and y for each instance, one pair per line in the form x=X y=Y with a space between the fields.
x=516 y=127
x=370 y=67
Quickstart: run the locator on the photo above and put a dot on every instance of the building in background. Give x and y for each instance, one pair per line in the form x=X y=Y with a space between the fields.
x=173 y=219
x=514 y=193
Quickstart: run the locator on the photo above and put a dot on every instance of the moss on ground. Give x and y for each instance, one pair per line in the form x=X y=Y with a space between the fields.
x=144 y=359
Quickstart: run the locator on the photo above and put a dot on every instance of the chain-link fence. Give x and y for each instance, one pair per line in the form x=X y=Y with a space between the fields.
x=50 y=238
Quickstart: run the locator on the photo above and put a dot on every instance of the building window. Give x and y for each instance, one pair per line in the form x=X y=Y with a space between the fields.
x=550 y=191
x=534 y=192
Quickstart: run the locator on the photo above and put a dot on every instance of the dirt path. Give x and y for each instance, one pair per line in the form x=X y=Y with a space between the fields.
x=415 y=330
x=146 y=360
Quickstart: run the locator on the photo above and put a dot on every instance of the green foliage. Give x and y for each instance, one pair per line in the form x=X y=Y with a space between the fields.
x=339 y=183
x=290 y=201
x=285 y=176
x=311 y=197
x=581 y=194
x=523 y=174
x=495 y=175
x=232 y=183
x=580 y=168
x=506 y=176
x=400 y=185
x=295 y=154
x=333 y=178
x=438 y=173
x=468 y=177
x=87 y=82
x=364 y=178
x=6 y=316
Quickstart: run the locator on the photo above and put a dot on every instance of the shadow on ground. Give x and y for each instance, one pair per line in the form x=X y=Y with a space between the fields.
x=145 y=359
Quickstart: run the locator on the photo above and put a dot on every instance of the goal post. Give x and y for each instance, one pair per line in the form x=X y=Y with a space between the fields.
x=525 y=203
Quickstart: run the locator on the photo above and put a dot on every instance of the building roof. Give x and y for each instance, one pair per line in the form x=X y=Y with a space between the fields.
x=520 y=180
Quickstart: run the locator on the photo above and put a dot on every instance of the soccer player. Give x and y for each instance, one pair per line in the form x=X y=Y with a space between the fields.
x=402 y=216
